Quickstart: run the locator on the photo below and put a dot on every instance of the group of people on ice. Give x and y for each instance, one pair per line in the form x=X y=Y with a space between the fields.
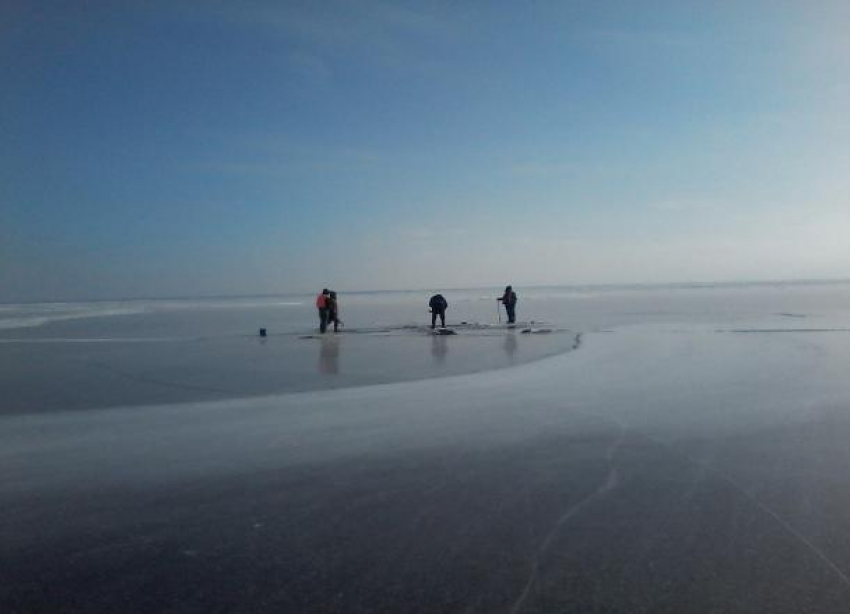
x=328 y=308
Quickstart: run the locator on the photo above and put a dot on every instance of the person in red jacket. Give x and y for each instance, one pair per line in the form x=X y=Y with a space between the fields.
x=322 y=306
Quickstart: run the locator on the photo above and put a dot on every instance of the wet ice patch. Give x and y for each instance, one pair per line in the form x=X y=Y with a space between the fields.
x=464 y=329
x=41 y=315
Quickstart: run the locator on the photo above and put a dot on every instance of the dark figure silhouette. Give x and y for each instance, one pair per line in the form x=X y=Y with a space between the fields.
x=438 y=305
x=333 y=310
x=509 y=299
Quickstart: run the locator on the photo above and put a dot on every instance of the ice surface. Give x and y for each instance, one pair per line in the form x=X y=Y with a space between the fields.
x=666 y=464
x=144 y=352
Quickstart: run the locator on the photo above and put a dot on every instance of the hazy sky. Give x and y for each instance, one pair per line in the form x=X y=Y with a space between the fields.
x=170 y=148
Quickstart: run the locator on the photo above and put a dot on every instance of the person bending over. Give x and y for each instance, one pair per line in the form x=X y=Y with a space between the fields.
x=438 y=305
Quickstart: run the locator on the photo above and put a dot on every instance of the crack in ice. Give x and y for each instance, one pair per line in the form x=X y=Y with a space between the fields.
x=763 y=507
x=610 y=482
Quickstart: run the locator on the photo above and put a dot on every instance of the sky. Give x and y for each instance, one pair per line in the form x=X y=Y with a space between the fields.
x=212 y=148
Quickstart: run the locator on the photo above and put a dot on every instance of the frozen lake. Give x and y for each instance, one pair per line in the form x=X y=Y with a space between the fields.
x=687 y=454
x=60 y=357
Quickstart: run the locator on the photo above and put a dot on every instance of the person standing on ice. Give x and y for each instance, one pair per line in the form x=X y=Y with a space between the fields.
x=322 y=306
x=333 y=310
x=509 y=299
x=438 y=305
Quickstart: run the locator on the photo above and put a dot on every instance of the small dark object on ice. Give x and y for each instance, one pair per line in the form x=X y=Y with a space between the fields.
x=262 y=332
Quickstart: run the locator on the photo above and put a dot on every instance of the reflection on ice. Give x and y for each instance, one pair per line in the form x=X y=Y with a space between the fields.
x=439 y=348
x=329 y=355
x=510 y=343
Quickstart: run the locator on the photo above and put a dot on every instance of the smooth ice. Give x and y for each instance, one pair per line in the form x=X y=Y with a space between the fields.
x=687 y=454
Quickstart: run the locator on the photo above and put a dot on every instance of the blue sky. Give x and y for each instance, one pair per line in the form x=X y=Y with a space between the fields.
x=168 y=148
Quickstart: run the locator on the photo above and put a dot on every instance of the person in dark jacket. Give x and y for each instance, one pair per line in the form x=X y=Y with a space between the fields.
x=333 y=310
x=438 y=305
x=508 y=299
x=322 y=306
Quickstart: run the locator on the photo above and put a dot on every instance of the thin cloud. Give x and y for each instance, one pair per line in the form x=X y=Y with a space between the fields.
x=338 y=24
x=310 y=68
x=622 y=37
x=526 y=169
x=687 y=205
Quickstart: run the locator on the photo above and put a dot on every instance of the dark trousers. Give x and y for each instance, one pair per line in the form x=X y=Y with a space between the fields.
x=511 y=309
x=323 y=319
x=333 y=318
x=434 y=314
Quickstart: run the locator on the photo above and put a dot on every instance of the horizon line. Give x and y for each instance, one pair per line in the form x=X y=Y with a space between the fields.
x=613 y=285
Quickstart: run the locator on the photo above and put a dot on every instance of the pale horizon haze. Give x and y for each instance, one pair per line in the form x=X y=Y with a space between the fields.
x=214 y=148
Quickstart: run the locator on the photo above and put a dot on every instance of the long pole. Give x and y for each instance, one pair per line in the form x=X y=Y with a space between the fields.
x=498 y=311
